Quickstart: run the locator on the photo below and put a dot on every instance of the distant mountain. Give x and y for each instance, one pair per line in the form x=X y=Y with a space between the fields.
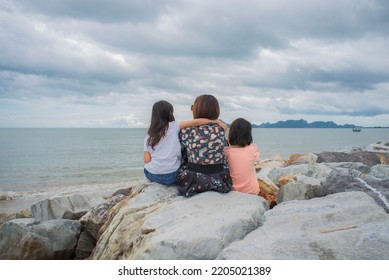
x=302 y=124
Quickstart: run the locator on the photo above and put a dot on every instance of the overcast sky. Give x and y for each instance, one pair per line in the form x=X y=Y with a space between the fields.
x=94 y=63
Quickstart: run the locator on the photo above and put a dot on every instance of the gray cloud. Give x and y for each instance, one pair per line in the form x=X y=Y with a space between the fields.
x=99 y=10
x=264 y=60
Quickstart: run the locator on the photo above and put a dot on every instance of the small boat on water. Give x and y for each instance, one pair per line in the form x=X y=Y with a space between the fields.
x=356 y=129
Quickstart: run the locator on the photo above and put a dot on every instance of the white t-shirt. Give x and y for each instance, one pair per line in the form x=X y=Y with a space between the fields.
x=166 y=156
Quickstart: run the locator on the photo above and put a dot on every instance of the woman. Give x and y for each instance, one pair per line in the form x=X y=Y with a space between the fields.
x=162 y=149
x=204 y=166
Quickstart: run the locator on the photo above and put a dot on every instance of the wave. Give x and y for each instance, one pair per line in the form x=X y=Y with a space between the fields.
x=9 y=195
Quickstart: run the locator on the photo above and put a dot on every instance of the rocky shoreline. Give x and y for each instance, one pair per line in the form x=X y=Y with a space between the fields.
x=332 y=205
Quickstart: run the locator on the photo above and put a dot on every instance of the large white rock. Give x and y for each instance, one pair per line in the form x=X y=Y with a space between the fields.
x=301 y=188
x=292 y=230
x=318 y=171
x=66 y=207
x=158 y=224
x=378 y=147
x=74 y=203
x=380 y=171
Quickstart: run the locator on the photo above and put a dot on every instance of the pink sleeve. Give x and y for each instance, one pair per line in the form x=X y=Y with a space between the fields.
x=255 y=151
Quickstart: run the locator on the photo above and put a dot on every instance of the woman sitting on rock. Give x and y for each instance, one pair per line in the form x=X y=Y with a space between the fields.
x=204 y=166
x=162 y=149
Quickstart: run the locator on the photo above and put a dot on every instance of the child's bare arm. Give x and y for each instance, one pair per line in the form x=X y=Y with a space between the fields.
x=201 y=121
x=222 y=124
x=194 y=122
x=146 y=157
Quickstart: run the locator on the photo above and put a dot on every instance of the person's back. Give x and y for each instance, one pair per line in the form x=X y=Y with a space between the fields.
x=241 y=156
x=166 y=154
x=204 y=166
x=162 y=148
x=241 y=163
x=204 y=144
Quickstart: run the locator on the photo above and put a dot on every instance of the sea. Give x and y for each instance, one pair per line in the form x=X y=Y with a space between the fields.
x=43 y=162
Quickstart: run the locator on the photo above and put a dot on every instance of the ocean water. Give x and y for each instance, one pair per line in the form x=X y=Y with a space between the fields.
x=38 y=161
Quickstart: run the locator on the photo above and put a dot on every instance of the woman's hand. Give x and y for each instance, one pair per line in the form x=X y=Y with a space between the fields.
x=221 y=124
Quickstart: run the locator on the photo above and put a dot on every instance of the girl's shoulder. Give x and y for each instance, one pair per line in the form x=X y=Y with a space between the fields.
x=173 y=125
x=233 y=149
x=248 y=147
x=253 y=147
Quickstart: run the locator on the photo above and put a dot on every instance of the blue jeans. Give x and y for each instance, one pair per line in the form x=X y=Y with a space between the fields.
x=164 y=179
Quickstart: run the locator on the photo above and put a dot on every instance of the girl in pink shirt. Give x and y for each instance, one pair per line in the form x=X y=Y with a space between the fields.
x=241 y=155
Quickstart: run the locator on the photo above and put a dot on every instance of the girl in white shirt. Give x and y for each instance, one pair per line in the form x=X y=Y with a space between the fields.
x=162 y=148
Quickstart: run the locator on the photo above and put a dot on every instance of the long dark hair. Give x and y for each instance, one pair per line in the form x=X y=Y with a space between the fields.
x=161 y=115
x=240 y=133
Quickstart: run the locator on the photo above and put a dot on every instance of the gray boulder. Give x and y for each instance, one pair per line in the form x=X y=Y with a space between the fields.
x=158 y=224
x=5 y=217
x=24 y=239
x=376 y=188
x=301 y=188
x=367 y=158
x=91 y=223
x=66 y=207
x=314 y=170
x=378 y=147
x=379 y=191
x=355 y=169
x=302 y=158
x=343 y=226
x=379 y=171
